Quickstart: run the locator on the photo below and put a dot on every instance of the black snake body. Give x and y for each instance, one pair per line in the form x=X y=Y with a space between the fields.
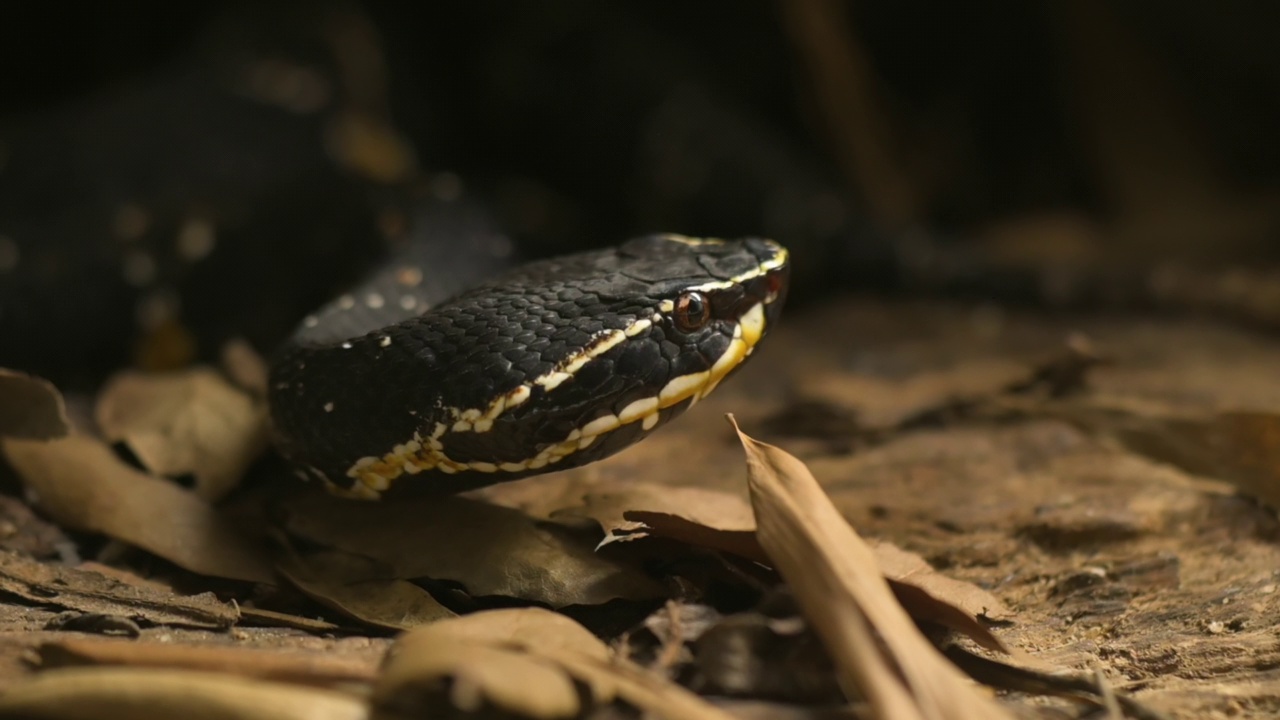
x=551 y=365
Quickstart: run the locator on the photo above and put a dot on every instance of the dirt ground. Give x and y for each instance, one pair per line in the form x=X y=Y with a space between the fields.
x=1109 y=559
x=1165 y=580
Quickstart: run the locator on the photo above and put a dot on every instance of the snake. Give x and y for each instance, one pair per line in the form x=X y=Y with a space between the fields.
x=411 y=383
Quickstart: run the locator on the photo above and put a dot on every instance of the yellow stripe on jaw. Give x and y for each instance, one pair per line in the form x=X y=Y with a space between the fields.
x=374 y=475
x=569 y=367
x=693 y=386
x=476 y=420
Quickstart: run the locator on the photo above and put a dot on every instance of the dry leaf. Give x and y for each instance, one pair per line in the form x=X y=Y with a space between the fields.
x=81 y=484
x=487 y=658
x=425 y=667
x=297 y=667
x=490 y=550
x=286 y=666
x=697 y=516
x=358 y=588
x=722 y=521
x=132 y=693
x=878 y=652
x=31 y=408
x=245 y=367
x=528 y=628
x=188 y=423
x=91 y=592
x=927 y=594
x=475 y=677
x=525 y=662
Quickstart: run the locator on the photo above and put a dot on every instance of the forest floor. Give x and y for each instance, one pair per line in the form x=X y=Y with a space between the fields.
x=1109 y=501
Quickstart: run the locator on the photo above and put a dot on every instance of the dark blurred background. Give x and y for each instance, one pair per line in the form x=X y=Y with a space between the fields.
x=173 y=175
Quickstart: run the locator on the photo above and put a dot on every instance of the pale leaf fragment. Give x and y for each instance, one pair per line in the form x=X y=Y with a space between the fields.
x=487 y=658
x=473 y=676
x=527 y=662
x=291 y=666
x=185 y=423
x=131 y=693
x=245 y=367
x=528 y=628
x=879 y=653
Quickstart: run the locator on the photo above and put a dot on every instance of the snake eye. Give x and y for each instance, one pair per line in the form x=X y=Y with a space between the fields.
x=692 y=311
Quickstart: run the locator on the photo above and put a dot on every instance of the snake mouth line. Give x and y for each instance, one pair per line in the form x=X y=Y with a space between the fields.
x=425 y=451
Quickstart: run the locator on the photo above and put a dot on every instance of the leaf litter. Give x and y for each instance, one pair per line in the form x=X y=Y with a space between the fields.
x=362 y=560
x=192 y=423
x=487 y=549
x=289 y=666
x=80 y=483
x=126 y=693
x=529 y=662
x=723 y=521
x=362 y=589
x=369 y=553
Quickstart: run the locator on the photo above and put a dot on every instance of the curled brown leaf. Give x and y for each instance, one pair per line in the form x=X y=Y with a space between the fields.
x=495 y=658
x=190 y=423
x=878 y=652
x=81 y=484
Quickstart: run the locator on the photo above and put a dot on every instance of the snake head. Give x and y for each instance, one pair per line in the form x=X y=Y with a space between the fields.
x=556 y=364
